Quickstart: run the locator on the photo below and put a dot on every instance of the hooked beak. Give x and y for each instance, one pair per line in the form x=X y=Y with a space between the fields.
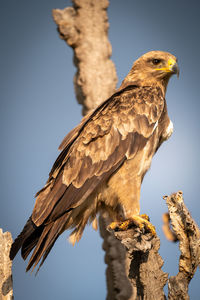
x=175 y=69
x=172 y=67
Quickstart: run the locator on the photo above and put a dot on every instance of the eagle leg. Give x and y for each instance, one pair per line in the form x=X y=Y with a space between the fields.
x=141 y=221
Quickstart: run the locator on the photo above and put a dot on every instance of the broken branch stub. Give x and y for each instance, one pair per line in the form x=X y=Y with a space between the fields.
x=145 y=263
x=188 y=234
x=6 y=286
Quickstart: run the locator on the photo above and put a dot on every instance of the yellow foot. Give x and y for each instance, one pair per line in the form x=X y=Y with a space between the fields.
x=144 y=216
x=141 y=221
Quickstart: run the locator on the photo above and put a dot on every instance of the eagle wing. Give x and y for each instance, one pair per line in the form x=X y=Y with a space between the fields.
x=97 y=147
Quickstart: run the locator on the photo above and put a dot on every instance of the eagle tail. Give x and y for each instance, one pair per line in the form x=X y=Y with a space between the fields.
x=41 y=238
x=27 y=231
x=43 y=243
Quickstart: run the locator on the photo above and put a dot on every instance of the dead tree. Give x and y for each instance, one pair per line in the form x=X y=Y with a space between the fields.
x=134 y=273
x=133 y=262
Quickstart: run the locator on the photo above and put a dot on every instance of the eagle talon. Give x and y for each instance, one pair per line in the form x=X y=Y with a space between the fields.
x=136 y=221
x=146 y=217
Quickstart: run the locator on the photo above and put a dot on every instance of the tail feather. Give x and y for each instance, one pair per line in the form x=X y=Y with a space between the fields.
x=42 y=239
x=31 y=242
x=46 y=241
x=37 y=253
x=29 y=228
x=46 y=250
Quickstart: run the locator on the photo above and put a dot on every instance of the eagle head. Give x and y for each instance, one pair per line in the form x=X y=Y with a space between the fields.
x=155 y=67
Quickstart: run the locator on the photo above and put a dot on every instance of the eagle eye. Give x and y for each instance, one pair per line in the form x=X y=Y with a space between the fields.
x=156 y=61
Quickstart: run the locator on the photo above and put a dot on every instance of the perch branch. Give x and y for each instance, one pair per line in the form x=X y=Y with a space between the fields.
x=144 y=270
x=118 y=285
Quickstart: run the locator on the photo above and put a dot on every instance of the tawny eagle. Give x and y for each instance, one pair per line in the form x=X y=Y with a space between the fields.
x=103 y=160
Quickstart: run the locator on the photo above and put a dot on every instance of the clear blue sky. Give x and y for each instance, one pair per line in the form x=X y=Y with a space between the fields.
x=38 y=108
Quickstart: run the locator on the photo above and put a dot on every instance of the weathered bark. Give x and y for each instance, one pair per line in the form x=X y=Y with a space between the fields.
x=6 y=289
x=118 y=285
x=145 y=272
x=188 y=234
x=84 y=27
x=144 y=269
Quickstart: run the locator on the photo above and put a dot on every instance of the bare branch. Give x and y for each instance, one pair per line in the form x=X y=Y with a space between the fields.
x=6 y=288
x=188 y=235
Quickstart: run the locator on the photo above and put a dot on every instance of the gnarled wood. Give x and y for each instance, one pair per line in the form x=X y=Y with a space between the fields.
x=145 y=263
x=6 y=288
x=188 y=234
x=118 y=285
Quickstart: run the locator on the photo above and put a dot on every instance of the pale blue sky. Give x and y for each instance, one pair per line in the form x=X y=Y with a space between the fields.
x=38 y=108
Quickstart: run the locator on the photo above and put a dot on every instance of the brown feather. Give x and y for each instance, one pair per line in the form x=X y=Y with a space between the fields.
x=45 y=203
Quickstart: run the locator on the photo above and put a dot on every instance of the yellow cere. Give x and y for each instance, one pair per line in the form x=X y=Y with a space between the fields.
x=171 y=62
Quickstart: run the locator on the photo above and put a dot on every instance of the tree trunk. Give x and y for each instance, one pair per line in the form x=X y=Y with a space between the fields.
x=134 y=273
